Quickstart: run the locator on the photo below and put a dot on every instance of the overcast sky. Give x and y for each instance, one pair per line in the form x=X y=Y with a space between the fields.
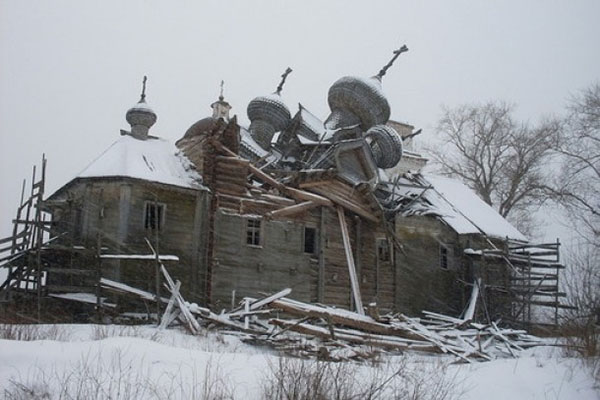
x=69 y=70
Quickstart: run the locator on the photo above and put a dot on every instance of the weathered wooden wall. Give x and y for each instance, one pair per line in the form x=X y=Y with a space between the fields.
x=278 y=263
x=421 y=282
x=115 y=209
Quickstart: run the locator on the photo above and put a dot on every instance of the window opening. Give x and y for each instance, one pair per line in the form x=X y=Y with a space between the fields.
x=310 y=240
x=443 y=257
x=253 y=232
x=383 y=250
x=154 y=215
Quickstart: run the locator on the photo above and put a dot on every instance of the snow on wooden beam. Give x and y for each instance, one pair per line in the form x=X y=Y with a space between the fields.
x=139 y=257
x=296 y=208
x=259 y=303
x=121 y=287
x=470 y=311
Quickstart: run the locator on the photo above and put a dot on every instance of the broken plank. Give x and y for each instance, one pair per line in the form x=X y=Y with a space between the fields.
x=166 y=318
x=259 y=303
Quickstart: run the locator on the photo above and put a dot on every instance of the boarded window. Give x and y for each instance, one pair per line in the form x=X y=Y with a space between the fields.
x=443 y=257
x=383 y=250
x=253 y=232
x=154 y=215
x=310 y=240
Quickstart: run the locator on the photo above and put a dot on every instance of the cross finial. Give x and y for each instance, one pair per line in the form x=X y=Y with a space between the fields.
x=221 y=94
x=283 y=77
x=143 y=97
x=389 y=64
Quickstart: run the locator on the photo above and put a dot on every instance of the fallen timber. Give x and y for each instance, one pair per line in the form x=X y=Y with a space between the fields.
x=324 y=331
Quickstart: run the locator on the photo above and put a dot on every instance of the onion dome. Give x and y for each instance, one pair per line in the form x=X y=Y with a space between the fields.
x=359 y=101
x=268 y=115
x=141 y=117
x=355 y=100
x=386 y=145
x=203 y=126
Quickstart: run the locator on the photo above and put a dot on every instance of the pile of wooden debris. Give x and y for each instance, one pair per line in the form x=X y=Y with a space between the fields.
x=336 y=334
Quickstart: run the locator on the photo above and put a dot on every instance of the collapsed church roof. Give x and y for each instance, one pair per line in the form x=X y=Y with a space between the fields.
x=454 y=203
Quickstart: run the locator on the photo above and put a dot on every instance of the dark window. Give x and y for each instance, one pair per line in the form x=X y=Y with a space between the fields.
x=310 y=240
x=154 y=215
x=443 y=257
x=253 y=232
x=383 y=250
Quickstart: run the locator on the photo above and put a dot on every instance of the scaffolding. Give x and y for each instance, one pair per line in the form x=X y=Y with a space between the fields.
x=532 y=281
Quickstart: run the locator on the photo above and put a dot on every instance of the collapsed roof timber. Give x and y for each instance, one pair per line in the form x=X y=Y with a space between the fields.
x=338 y=210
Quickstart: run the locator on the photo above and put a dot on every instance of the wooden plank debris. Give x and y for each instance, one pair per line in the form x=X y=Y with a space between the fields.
x=336 y=334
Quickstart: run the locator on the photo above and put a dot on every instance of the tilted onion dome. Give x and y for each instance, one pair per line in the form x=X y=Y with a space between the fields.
x=141 y=117
x=355 y=100
x=386 y=145
x=268 y=115
x=270 y=108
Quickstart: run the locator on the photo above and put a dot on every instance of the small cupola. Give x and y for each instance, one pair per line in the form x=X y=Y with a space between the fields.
x=221 y=107
x=141 y=117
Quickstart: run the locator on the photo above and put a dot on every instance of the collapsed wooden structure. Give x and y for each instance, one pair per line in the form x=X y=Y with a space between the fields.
x=335 y=210
x=334 y=334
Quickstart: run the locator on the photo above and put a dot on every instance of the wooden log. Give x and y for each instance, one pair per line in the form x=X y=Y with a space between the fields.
x=188 y=318
x=312 y=184
x=347 y=204
x=338 y=316
x=295 y=193
x=470 y=311
x=149 y=257
x=123 y=288
x=350 y=261
x=276 y=199
x=371 y=340
x=307 y=196
x=259 y=303
x=167 y=317
x=290 y=210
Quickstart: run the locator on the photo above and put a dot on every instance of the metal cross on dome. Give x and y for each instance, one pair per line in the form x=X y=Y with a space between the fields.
x=221 y=94
x=143 y=97
x=283 y=77
x=389 y=64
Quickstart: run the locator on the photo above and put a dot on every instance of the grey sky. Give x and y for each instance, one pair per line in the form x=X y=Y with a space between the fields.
x=69 y=70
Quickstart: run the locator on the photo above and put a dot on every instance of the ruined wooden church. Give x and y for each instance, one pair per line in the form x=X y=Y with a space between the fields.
x=337 y=210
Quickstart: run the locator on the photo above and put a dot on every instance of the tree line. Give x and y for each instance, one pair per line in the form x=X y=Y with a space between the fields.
x=517 y=166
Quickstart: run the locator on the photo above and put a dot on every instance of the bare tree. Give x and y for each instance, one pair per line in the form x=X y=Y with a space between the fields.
x=577 y=187
x=501 y=159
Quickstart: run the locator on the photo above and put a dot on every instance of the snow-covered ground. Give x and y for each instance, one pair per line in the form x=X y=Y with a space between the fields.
x=93 y=361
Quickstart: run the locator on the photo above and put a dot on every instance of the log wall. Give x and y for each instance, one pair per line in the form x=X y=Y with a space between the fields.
x=422 y=283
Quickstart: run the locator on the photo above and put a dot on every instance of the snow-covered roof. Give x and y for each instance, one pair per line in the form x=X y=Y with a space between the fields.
x=459 y=207
x=153 y=159
x=250 y=144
